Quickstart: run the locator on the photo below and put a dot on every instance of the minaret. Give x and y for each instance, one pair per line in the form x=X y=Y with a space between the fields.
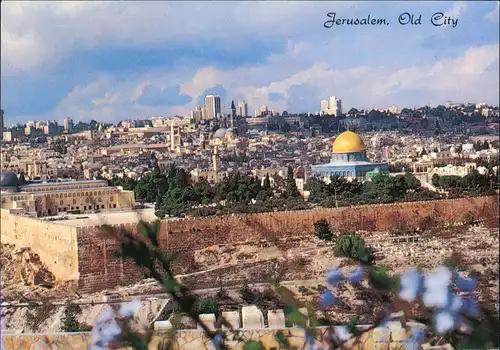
x=215 y=159
x=175 y=137
x=172 y=137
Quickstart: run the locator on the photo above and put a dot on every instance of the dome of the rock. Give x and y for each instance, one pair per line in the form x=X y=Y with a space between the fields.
x=348 y=142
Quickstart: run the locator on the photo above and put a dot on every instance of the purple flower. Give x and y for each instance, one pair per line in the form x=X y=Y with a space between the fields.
x=217 y=341
x=411 y=344
x=310 y=343
x=110 y=331
x=414 y=340
x=417 y=334
x=411 y=285
x=342 y=333
x=107 y=315
x=326 y=299
x=356 y=277
x=436 y=286
x=470 y=306
x=128 y=310
x=443 y=322
x=466 y=284
x=334 y=276
x=454 y=303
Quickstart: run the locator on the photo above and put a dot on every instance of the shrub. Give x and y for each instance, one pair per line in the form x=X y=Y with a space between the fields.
x=427 y=223
x=352 y=246
x=247 y=294
x=468 y=218
x=455 y=261
x=322 y=230
x=208 y=306
x=69 y=323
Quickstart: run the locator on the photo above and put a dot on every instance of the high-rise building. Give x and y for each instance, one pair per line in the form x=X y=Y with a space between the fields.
x=212 y=103
x=51 y=128
x=264 y=110
x=332 y=106
x=197 y=114
x=324 y=106
x=242 y=109
x=338 y=107
x=68 y=125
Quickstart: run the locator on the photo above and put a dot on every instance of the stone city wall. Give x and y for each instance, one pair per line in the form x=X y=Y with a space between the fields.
x=99 y=269
x=55 y=244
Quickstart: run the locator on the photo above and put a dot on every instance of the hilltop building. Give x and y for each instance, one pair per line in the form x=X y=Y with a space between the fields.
x=54 y=198
x=348 y=160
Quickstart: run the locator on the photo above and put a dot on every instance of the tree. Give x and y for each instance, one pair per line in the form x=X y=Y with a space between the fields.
x=435 y=180
x=70 y=322
x=353 y=111
x=291 y=190
x=322 y=230
x=412 y=183
x=267 y=182
x=351 y=245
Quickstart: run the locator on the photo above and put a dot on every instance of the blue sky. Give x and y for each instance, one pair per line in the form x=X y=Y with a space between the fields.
x=110 y=61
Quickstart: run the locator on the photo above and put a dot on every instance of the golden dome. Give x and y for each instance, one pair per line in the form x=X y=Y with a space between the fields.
x=348 y=142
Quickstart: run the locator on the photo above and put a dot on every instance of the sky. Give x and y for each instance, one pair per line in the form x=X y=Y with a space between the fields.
x=111 y=61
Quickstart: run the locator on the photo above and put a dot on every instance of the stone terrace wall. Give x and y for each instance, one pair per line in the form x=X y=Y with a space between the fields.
x=99 y=269
x=55 y=244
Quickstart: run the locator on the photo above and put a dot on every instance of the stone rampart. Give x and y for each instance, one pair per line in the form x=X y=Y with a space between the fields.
x=99 y=268
x=55 y=244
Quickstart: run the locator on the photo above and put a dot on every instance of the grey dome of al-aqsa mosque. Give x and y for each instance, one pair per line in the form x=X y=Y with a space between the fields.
x=220 y=133
x=8 y=180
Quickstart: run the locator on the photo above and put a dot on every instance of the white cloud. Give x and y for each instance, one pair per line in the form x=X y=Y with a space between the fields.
x=34 y=33
x=457 y=9
x=473 y=76
x=494 y=15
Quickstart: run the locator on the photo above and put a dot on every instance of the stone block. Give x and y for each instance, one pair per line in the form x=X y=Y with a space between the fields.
x=394 y=325
x=252 y=317
x=398 y=335
x=162 y=325
x=381 y=335
x=208 y=320
x=233 y=318
x=276 y=319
